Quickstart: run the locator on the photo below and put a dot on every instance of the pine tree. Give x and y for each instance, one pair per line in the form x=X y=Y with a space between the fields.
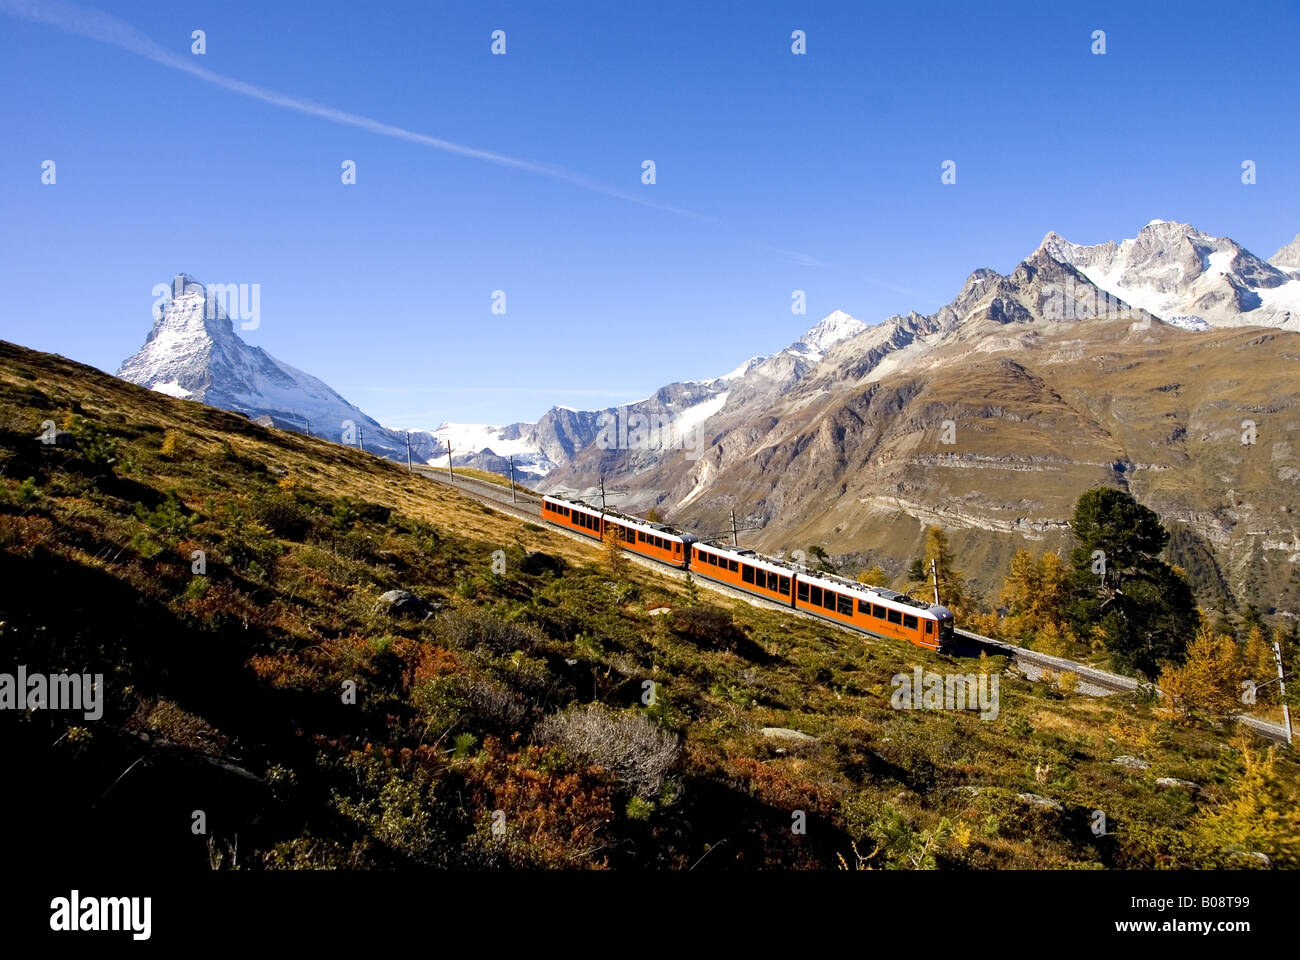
x=1034 y=593
x=1209 y=682
x=1259 y=665
x=875 y=576
x=952 y=586
x=1262 y=816
x=614 y=548
x=1117 y=582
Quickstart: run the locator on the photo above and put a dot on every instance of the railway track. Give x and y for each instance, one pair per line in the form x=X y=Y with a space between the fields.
x=1033 y=664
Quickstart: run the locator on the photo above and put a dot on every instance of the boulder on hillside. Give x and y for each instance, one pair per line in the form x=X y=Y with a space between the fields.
x=403 y=603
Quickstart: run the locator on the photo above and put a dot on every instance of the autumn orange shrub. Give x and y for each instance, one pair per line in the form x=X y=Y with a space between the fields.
x=556 y=814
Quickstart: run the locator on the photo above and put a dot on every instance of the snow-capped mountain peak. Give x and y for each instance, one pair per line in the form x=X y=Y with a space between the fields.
x=1287 y=259
x=193 y=352
x=1189 y=278
x=835 y=327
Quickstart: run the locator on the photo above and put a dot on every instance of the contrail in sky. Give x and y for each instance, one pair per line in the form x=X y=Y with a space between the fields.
x=105 y=28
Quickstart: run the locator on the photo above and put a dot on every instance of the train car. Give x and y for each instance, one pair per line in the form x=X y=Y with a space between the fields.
x=745 y=570
x=572 y=515
x=653 y=540
x=875 y=610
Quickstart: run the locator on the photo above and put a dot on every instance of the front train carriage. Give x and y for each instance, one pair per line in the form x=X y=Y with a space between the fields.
x=875 y=610
x=745 y=570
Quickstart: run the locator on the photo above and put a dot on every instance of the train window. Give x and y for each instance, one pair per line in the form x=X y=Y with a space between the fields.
x=733 y=565
x=747 y=573
x=713 y=560
x=909 y=621
x=878 y=611
x=845 y=605
x=828 y=599
x=803 y=591
x=785 y=585
x=640 y=537
x=895 y=616
x=816 y=596
x=929 y=626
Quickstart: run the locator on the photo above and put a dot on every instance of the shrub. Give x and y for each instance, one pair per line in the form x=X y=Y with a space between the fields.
x=472 y=629
x=28 y=491
x=283 y=516
x=708 y=626
x=637 y=751
x=173 y=445
x=93 y=442
x=168 y=517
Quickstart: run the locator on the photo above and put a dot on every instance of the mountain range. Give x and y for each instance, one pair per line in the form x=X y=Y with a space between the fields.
x=1135 y=364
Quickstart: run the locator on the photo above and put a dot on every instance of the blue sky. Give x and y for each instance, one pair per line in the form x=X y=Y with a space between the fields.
x=775 y=172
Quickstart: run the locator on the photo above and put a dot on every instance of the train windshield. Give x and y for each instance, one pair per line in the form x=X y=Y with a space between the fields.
x=945 y=632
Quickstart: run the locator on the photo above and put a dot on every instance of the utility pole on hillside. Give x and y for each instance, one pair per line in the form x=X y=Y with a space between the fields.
x=408 y=451
x=606 y=492
x=737 y=527
x=934 y=573
x=513 y=498
x=1281 y=690
x=450 y=472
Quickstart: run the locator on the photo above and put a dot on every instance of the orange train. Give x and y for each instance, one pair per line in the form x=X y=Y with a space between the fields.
x=874 y=610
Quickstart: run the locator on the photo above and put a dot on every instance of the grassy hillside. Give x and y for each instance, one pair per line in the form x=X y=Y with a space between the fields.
x=509 y=726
